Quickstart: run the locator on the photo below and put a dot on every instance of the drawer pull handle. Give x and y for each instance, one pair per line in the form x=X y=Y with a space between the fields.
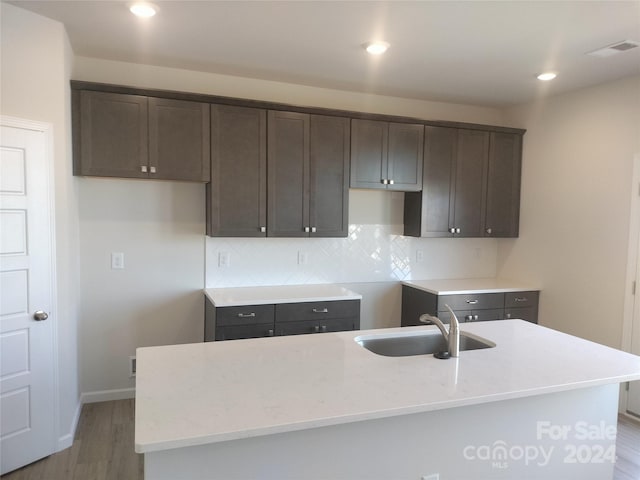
x=320 y=310
x=270 y=333
x=323 y=329
x=316 y=329
x=472 y=302
x=520 y=299
x=246 y=315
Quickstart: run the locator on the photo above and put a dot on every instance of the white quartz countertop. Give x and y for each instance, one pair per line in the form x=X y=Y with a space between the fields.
x=467 y=286
x=201 y=393
x=239 y=296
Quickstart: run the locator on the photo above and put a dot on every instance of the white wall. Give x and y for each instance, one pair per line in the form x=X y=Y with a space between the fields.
x=160 y=228
x=36 y=67
x=576 y=194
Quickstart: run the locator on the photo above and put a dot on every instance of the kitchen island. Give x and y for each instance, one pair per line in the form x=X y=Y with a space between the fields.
x=540 y=404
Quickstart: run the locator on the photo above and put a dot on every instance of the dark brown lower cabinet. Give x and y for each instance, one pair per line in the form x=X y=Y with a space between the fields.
x=253 y=321
x=468 y=307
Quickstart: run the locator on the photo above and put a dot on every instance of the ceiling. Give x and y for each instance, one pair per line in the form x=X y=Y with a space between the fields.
x=475 y=52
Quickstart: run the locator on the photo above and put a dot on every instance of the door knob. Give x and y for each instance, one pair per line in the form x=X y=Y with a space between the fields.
x=40 y=315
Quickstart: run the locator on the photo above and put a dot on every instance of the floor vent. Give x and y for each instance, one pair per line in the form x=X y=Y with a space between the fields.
x=614 y=49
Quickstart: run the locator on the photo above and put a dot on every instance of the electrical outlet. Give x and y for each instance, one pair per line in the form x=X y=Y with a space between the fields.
x=419 y=256
x=132 y=366
x=433 y=476
x=303 y=258
x=117 y=261
x=224 y=259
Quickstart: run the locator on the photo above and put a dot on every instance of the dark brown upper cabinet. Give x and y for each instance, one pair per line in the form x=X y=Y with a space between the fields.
x=386 y=155
x=134 y=136
x=502 y=216
x=471 y=185
x=307 y=164
x=237 y=195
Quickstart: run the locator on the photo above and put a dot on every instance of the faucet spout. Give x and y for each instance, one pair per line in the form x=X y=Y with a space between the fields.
x=452 y=337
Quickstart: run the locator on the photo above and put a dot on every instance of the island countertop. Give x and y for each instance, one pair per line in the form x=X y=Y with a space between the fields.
x=465 y=286
x=195 y=394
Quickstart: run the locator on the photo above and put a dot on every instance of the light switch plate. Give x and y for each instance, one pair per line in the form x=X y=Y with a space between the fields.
x=117 y=261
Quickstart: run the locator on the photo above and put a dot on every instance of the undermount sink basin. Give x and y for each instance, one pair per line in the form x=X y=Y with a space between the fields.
x=417 y=343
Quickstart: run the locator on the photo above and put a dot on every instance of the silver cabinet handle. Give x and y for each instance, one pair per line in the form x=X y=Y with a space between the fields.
x=468 y=318
x=323 y=329
x=143 y=168
x=313 y=229
x=520 y=299
x=263 y=229
x=246 y=315
x=152 y=169
x=508 y=315
x=306 y=229
x=489 y=231
x=452 y=230
x=475 y=317
x=472 y=302
x=316 y=329
x=391 y=182
x=457 y=230
x=270 y=333
x=40 y=315
x=320 y=310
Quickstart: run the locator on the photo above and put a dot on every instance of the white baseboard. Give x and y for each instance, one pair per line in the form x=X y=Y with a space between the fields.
x=66 y=441
x=107 y=395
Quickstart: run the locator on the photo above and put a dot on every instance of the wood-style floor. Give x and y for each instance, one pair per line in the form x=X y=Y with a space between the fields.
x=103 y=449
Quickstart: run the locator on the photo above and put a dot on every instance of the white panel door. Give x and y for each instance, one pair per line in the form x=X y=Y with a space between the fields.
x=633 y=395
x=27 y=388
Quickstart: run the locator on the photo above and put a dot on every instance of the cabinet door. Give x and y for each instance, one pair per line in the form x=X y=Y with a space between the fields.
x=113 y=134
x=530 y=314
x=427 y=213
x=369 y=148
x=288 y=174
x=237 y=194
x=329 y=146
x=470 y=182
x=297 y=328
x=503 y=185
x=236 y=332
x=405 y=157
x=178 y=140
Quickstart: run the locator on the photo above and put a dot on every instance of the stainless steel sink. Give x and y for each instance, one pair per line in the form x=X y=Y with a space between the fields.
x=417 y=343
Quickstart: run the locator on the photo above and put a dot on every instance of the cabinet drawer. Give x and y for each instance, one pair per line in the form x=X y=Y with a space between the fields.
x=471 y=302
x=246 y=315
x=521 y=299
x=235 y=332
x=312 y=326
x=295 y=312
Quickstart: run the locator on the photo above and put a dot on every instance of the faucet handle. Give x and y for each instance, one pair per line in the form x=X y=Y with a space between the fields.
x=428 y=319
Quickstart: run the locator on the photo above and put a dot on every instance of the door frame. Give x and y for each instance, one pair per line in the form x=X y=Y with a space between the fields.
x=633 y=273
x=47 y=130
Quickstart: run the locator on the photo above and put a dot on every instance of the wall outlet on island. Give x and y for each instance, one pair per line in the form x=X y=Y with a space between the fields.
x=433 y=476
x=419 y=256
x=224 y=259
x=303 y=258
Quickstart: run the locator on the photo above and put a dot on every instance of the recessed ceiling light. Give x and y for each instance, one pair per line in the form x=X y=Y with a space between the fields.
x=376 y=48
x=545 y=77
x=143 y=9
